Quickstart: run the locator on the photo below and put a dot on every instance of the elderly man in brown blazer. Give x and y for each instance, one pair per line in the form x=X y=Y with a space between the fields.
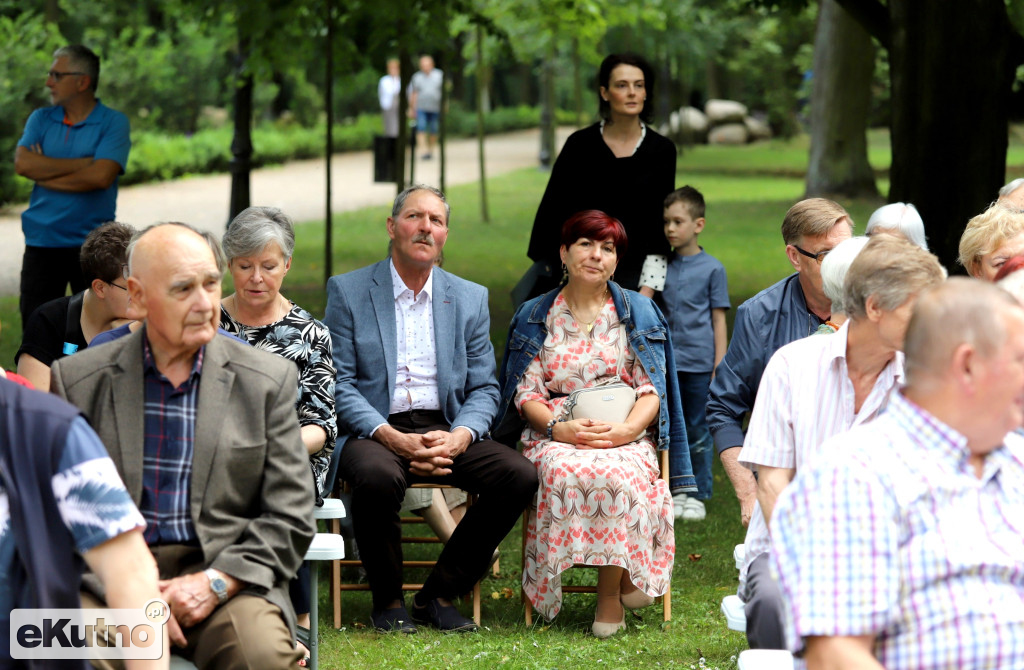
x=203 y=432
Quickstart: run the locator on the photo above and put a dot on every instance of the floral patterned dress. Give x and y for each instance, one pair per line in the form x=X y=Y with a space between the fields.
x=305 y=341
x=594 y=507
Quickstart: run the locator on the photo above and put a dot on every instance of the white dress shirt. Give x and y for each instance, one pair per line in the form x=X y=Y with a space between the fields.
x=416 y=358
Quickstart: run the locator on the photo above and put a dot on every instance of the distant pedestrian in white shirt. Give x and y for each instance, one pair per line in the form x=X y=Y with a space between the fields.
x=388 y=91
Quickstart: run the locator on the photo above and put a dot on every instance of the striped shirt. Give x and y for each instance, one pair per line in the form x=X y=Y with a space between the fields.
x=170 y=424
x=894 y=535
x=805 y=397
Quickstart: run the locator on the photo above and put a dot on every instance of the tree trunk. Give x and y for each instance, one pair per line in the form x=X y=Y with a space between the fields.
x=329 y=149
x=951 y=70
x=241 y=143
x=481 y=91
x=547 y=106
x=844 y=62
x=577 y=82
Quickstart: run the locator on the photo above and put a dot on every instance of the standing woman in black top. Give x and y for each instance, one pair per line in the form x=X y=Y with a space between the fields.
x=620 y=166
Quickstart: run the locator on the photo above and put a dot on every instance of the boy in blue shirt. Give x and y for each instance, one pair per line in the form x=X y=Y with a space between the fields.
x=695 y=299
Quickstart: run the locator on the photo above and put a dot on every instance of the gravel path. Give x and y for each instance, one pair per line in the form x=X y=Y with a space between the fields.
x=298 y=188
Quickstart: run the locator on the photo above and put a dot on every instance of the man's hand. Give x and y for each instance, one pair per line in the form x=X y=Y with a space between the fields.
x=743 y=482
x=456 y=441
x=424 y=459
x=191 y=598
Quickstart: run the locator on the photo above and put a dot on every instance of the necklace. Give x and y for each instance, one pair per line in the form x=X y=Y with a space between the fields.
x=589 y=325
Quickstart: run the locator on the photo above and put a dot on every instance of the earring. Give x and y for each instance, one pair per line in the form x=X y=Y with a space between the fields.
x=565 y=274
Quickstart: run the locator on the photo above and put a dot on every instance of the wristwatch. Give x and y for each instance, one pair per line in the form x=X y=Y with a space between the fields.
x=218 y=584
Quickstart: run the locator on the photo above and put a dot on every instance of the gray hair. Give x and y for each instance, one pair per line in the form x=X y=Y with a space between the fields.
x=901 y=217
x=1011 y=187
x=211 y=240
x=834 y=267
x=404 y=195
x=254 y=228
x=891 y=270
x=961 y=310
x=82 y=59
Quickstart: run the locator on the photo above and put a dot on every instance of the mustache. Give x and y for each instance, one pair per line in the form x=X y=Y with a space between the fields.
x=426 y=238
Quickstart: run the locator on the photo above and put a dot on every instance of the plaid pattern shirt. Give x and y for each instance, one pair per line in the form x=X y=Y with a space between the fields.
x=167 y=459
x=895 y=536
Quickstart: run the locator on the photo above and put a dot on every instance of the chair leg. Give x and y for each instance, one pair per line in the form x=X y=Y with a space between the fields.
x=314 y=615
x=476 y=603
x=527 y=607
x=336 y=580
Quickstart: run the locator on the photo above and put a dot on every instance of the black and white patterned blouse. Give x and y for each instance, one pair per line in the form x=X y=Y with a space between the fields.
x=307 y=342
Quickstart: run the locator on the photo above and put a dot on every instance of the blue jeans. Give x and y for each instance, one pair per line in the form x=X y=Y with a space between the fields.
x=693 y=387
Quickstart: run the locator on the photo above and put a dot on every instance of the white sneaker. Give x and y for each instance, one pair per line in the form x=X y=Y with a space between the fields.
x=679 y=504
x=693 y=510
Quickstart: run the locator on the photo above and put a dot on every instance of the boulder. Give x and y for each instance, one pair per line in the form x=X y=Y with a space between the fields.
x=758 y=129
x=693 y=121
x=729 y=133
x=725 y=111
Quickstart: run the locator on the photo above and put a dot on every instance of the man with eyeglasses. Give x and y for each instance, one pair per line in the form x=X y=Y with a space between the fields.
x=61 y=327
x=788 y=310
x=74 y=151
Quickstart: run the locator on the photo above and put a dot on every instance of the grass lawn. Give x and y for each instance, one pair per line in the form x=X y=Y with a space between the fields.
x=748 y=189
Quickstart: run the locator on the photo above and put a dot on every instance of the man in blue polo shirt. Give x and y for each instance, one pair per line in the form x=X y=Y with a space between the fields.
x=788 y=310
x=74 y=152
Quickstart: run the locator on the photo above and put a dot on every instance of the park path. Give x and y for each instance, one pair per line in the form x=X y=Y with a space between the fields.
x=298 y=188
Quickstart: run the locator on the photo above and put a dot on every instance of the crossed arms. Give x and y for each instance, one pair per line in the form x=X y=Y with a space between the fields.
x=72 y=175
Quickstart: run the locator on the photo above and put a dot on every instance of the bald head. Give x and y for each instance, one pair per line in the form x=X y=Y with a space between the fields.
x=175 y=287
x=960 y=311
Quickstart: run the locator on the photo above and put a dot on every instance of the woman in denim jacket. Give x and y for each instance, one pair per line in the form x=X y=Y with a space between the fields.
x=601 y=501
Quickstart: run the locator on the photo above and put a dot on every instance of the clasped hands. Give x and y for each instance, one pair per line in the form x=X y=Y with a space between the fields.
x=191 y=601
x=594 y=434
x=429 y=454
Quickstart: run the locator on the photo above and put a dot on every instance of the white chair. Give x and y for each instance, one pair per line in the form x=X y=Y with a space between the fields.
x=324 y=547
x=732 y=606
x=765 y=659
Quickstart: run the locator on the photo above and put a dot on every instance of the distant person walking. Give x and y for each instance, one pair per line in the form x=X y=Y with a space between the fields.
x=425 y=101
x=387 y=92
x=74 y=152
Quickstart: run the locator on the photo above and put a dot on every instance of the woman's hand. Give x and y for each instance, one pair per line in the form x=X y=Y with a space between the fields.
x=594 y=434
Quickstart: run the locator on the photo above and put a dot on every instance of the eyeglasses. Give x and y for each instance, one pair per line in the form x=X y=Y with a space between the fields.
x=110 y=283
x=57 y=76
x=820 y=256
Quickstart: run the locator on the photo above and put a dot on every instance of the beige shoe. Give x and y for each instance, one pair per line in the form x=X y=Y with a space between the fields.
x=636 y=600
x=603 y=630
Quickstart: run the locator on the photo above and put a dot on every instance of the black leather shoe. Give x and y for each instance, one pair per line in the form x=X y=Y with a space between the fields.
x=394 y=620
x=443 y=617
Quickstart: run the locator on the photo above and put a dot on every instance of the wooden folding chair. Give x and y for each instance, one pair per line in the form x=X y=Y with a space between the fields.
x=337 y=586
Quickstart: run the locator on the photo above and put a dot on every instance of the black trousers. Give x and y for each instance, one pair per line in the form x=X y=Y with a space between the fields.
x=503 y=478
x=45 y=275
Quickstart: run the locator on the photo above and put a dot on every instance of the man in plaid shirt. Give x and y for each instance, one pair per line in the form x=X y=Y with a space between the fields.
x=905 y=547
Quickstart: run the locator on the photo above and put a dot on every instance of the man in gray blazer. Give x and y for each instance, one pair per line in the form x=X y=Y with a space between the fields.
x=416 y=395
x=202 y=430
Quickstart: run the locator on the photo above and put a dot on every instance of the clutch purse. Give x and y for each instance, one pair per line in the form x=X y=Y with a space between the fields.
x=609 y=402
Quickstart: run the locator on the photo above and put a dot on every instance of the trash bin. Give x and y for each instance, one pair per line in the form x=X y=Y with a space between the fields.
x=384 y=158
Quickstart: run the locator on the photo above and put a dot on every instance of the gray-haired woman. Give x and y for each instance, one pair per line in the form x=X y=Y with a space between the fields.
x=258 y=245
